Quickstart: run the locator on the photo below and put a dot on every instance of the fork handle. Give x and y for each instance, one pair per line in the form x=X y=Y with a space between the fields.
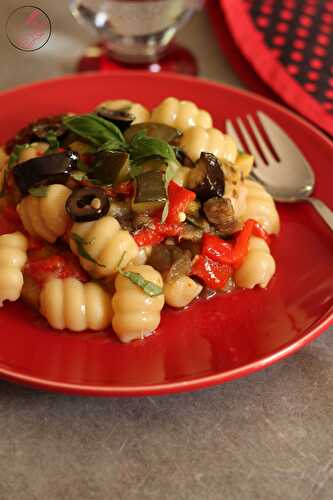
x=323 y=210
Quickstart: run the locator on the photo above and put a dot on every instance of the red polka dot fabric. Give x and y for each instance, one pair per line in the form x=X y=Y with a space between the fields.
x=289 y=43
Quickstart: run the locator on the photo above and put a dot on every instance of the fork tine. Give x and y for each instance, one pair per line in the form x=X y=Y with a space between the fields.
x=263 y=146
x=250 y=144
x=230 y=129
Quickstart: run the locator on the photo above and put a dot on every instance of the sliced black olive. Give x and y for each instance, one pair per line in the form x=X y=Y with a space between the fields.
x=87 y=204
x=155 y=130
x=44 y=170
x=122 y=119
x=150 y=187
x=206 y=179
x=110 y=167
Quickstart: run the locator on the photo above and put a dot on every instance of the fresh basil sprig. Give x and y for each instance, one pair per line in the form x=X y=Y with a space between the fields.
x=147 y=286
x=39 y=192
x=80 y=242
x=95 y=129
x=142 y=147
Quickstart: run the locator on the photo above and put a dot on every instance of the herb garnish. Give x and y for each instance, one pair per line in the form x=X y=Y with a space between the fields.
x=95 y=129
x=147 y=286
x=80 y=242
x=53 y=141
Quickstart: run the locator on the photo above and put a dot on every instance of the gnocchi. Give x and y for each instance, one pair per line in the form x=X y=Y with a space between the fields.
x=13 y=255
x=68 y=303
x=107 y=244
x=181 y=114
x=260 y=206
x=197 y=139
x=46 y=216
x=136 y=314
x=258 y=266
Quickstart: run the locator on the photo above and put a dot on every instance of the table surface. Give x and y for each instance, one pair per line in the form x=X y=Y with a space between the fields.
x=267 y=436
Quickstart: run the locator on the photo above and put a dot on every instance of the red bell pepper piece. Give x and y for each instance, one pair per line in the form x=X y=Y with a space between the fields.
x=224 y=252
x=179 y=198
x=156 y=234
x=213 y=274
x=217 y=249
x=260 y=232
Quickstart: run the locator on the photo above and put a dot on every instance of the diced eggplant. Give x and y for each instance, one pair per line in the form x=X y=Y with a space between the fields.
x=150 y=187
x=206 y=179
x=155 y=130
x=110 y=167
x=87 y=204
x=220 y=212
x=44 y=170
x=121 y=118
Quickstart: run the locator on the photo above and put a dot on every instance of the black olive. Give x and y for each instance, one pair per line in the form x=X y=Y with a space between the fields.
x=206 y=179
x=122 y=119
x=79 y=204
x=44 y=170
x=155 y=130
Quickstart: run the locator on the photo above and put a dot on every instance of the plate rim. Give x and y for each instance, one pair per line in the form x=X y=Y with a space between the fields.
x=200 y=382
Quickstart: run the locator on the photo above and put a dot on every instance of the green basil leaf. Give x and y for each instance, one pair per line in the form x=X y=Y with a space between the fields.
x=94 y=128
x=15 y=154
x=53 y=141
x=148 y=287
x=39 y=192
x=80 y=242
x=112 y=145
x=142 y=147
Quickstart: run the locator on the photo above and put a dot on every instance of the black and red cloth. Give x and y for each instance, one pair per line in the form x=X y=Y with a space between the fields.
x=286 y=50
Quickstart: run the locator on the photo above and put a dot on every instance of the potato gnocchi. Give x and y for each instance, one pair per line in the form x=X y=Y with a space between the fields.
x=109 y=215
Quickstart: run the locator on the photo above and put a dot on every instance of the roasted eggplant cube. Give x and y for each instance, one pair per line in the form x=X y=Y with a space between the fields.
x=44 y=170
x=155 y=130
x=150 y=187
x=206 y=179
x=110 y=167
x=122 y=119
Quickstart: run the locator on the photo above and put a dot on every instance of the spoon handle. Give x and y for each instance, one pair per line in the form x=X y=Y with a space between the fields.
x=323 y=210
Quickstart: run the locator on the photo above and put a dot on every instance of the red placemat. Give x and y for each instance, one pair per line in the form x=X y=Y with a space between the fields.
x=289 y=45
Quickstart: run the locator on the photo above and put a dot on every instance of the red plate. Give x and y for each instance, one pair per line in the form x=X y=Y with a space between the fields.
x=212 y=341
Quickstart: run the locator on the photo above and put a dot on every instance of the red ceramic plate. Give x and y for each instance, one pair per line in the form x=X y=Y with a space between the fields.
x=212 y=341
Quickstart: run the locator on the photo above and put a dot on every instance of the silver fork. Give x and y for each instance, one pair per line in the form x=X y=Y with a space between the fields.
x=288 y=179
